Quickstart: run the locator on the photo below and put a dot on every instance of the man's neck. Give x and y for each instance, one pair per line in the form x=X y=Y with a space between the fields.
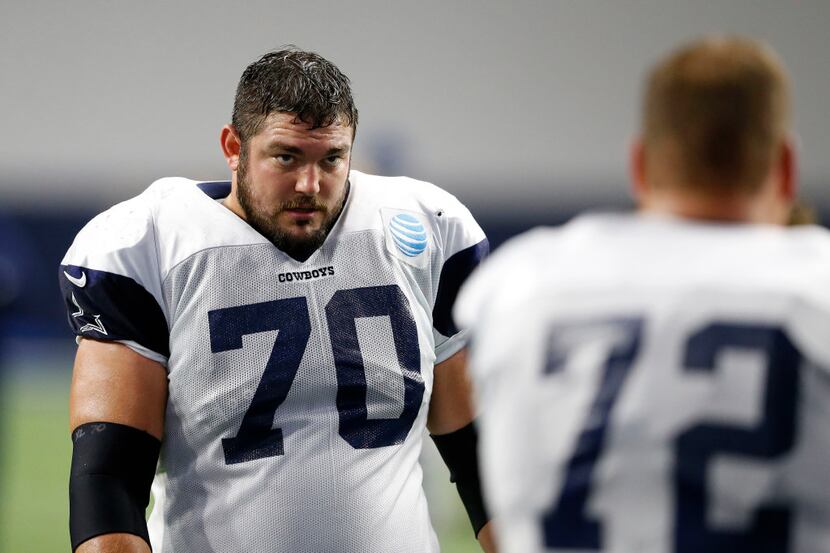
x=734 y=208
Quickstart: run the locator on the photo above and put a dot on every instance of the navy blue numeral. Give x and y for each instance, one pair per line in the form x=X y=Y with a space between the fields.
x=256 y=438
x=341 y=312
x=566 y=525
x=774 y=436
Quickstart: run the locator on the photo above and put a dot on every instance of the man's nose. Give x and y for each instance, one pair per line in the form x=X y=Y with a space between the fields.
x=308 y=181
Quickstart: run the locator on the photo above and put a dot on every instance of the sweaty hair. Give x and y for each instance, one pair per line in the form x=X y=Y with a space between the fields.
x=292 y=81
x=720 y=107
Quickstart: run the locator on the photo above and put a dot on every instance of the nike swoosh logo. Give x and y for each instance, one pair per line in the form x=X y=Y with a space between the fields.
x=79 y=282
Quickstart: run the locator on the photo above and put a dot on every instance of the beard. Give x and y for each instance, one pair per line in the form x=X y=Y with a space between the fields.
x=265 y=221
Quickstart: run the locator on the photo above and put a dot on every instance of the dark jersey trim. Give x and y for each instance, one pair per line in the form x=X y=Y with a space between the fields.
x=107 y=306
x=453 y=274
x=216 y=189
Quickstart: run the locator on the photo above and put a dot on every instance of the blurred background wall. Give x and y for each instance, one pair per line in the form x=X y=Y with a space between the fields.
x=523 y=109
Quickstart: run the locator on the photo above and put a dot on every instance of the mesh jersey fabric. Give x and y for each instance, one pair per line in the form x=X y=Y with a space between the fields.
x=653 y=384
x=298 y=392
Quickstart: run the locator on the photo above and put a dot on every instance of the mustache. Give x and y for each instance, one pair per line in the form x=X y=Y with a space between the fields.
x=304 y=202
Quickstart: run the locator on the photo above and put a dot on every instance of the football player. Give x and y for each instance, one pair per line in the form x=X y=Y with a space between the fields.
x=658 y=381
x=269 y=350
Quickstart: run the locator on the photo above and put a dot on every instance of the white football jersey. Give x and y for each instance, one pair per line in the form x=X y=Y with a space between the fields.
x=298 y=391
x=654 y=385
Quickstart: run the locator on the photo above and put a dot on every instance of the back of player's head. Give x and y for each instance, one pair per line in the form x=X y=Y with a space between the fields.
x=292 y=81
x=718 y=110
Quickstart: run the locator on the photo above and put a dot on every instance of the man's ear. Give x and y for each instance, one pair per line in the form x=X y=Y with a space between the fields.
x=231 y=146
x=787 y=169
x=637 y=169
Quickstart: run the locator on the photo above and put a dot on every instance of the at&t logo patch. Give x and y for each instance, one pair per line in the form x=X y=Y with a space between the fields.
x=407 y=236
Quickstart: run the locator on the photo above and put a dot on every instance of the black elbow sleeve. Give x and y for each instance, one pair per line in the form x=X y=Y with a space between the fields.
x=459 y=450
x=109 y=484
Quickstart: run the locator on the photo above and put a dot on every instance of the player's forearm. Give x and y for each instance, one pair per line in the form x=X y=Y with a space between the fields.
x=117 y=413
x=486 y=539
x=114 y=543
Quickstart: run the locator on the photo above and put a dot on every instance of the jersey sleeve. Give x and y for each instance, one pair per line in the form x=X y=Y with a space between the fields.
x=488 y=307
x=473 y=296
x=111 y=283
x=464 y=247
x=506 y=274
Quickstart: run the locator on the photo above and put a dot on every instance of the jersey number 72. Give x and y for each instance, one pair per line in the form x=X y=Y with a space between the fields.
x=567 y=525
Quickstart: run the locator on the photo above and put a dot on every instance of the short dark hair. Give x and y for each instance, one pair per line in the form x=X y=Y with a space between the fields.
x=722 y=105
x=296 y=81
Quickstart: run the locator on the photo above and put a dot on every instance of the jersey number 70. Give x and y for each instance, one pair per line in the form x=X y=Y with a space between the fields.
x=257 y=438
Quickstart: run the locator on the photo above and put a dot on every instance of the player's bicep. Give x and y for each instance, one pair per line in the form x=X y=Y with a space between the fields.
x=112 y=383
x=451 y=404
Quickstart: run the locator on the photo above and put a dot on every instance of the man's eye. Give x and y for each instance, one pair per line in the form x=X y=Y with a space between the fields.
x=285 y=159
x=333 y=161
